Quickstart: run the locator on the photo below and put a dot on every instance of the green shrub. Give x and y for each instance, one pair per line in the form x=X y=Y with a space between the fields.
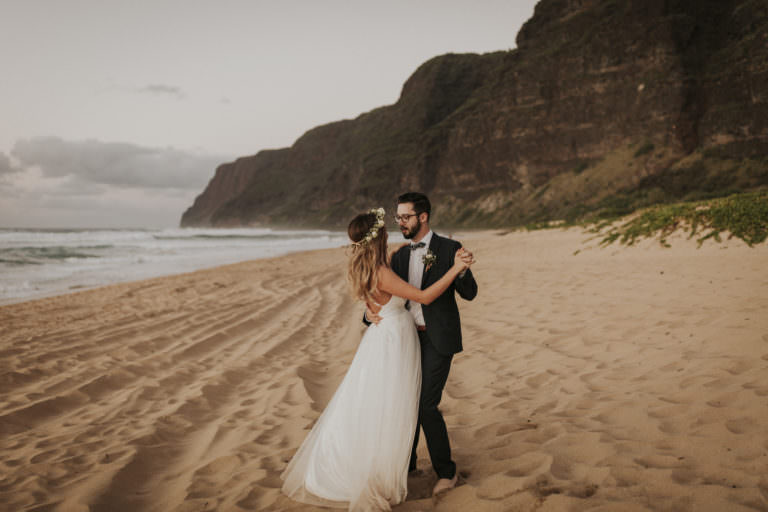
x=743 y=215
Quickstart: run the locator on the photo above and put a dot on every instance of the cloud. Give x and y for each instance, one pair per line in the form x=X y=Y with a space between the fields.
x=163 y=90
x=157 y=90
x=114 y=208
x=117 y=164
x=6 y=166
x=51 y=182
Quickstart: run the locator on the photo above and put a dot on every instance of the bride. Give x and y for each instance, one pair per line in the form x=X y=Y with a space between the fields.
x=357 y=453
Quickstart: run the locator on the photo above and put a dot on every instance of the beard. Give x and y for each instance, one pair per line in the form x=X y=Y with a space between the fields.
x=409 y=233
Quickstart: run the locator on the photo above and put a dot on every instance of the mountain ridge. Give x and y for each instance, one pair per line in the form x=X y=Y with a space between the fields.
x=604 y=106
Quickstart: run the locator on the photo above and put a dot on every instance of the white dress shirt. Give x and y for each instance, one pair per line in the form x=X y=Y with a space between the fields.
x=415 y=273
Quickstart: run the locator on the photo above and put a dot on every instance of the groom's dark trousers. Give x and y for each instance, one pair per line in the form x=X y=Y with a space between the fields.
x=440 y=340
x=434 y=373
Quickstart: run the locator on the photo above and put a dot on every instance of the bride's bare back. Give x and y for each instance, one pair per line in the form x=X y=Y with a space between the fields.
x=380 y=298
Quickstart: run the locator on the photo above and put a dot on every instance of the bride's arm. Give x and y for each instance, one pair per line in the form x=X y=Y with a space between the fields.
x=391 y=283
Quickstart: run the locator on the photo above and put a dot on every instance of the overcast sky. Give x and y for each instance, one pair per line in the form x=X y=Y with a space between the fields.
x=115 y=114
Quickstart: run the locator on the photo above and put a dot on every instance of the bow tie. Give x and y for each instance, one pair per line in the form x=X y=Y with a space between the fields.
x=416 y=246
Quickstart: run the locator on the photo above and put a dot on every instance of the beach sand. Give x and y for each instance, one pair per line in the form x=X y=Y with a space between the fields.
x=617 y=378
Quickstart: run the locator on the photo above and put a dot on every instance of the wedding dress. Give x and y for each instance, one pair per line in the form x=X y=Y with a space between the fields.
x=357 y=453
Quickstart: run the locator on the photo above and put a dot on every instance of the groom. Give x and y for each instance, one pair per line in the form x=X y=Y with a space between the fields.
x=422 y=262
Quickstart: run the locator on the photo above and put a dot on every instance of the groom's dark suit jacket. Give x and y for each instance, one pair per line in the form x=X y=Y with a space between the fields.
x=442 y=316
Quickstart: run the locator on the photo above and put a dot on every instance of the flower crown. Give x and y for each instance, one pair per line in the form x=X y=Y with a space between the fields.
x=374 y=231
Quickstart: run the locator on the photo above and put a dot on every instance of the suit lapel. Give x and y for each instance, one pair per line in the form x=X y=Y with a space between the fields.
x=433 y=245
x=403 y=266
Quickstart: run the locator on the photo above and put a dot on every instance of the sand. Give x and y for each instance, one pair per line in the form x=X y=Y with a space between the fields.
x=618 y=378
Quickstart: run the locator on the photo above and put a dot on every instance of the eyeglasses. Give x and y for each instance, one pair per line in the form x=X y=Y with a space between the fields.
x=405 y=217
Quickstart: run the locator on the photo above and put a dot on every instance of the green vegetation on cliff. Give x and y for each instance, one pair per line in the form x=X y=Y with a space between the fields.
x=744 y=216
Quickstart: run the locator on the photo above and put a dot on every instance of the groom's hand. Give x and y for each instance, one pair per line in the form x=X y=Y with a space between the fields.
x=371 y=316
x=467 y=258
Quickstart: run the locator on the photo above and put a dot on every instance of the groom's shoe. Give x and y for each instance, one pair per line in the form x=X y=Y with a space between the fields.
x=445 y=484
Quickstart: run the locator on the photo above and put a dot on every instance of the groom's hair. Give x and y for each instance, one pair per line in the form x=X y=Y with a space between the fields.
x=420 y=202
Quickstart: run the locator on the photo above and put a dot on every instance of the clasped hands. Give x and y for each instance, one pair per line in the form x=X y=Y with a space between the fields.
x=463 y=254
x=466 y=257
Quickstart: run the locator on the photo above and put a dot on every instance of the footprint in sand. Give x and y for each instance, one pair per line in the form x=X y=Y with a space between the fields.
x=758 y=387
x=510 y=404
x=508 y=452
x=543 y=434
x=547 y=407
x=527 y=464
x=44 y=456
x=741 y=425
x=500 y=486
x=585 y=491
x=717 y=383
x=259 y=499
x=683 y=476
x=272 y=481
x=669 y=427
x=739 y=367
x=544 y=488
x=667 y=411
x=537 y=380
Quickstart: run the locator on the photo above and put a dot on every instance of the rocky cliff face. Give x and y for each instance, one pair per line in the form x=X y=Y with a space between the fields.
x=604 y=106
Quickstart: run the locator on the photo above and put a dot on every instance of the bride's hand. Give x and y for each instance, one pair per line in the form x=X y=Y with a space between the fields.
x=463 y=259
x=371 y=315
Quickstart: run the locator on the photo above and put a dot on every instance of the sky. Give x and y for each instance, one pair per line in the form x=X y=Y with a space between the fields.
x=116 y=114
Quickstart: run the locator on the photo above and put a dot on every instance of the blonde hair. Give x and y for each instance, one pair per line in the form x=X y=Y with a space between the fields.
x=366 y=258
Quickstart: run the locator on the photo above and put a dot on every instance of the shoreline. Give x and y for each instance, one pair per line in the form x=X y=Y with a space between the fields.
x=615 y=378
x=149 y=280
x=74 y=289
x=45 y=263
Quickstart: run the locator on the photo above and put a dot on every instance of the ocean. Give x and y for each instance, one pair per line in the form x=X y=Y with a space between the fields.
x=38 y=263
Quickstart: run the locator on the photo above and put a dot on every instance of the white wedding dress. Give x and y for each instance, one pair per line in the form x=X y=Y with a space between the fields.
x=357 y=453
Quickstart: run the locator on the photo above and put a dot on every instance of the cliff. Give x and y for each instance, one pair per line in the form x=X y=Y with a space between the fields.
x=604 y=106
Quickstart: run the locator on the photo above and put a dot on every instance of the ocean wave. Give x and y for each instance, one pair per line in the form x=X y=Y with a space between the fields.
x=19 y=262
x=37 y=255
x=268 y=236
x=36 y=263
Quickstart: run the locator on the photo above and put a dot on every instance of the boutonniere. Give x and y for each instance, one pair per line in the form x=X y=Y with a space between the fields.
x=428 y=259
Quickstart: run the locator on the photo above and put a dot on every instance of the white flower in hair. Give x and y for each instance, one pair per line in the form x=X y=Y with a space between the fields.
x=374 y=231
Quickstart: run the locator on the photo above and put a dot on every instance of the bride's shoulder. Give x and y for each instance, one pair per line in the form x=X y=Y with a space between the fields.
x=386 y=275
x=384 y=270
